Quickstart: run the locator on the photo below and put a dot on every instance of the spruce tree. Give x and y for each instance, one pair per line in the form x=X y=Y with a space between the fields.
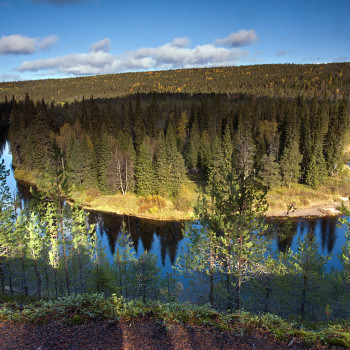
x=270 y=171
x=144 y=172
x=162 y=167
x=316 y=170
x=290 y=163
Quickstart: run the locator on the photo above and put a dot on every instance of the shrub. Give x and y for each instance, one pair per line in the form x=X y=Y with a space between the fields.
x=151 y=204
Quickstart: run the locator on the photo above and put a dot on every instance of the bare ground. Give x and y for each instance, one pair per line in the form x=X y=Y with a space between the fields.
x=140 y=334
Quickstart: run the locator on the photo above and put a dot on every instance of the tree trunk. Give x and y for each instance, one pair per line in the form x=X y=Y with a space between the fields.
x=303 y=300
x=47 y=282
x=56 y=284
x=267 y=299
x=228 y=291
x=38 y=279
x=2 y=277
x=24 y=278
x=10 y=278
x=211 y=289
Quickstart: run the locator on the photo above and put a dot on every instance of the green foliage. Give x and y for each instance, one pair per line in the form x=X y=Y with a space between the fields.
x=144 y=171
x=270 y=172
x=307 y=263
x=146 y=276
x=124 y=258
x=344 y=256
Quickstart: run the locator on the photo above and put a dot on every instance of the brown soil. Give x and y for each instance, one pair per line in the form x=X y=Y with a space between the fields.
x=141 y=334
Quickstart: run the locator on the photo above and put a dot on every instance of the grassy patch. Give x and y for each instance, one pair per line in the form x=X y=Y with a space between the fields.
x=301 y=196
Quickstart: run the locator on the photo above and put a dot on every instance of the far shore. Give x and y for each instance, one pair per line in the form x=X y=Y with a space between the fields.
x=99 y=204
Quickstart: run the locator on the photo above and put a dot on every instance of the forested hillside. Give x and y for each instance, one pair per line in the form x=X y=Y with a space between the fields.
x=145 y=146
x=284 y=80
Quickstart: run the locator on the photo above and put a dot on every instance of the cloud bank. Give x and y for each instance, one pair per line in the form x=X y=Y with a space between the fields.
x=16 y=44
x=176 y=54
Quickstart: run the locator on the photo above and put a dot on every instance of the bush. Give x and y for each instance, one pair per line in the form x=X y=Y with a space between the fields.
x=151 y=204
x=181 y=202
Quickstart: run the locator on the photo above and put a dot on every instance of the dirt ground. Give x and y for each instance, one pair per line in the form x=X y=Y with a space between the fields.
x=326 y=209
x=141 y=334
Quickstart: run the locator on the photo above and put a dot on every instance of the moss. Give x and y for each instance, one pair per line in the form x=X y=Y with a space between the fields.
x=337 y=342
x=78 y=319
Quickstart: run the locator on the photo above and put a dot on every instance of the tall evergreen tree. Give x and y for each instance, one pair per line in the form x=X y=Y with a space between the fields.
x=144 y=172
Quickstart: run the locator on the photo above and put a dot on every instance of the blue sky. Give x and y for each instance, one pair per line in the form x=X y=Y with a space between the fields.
x=65 y=38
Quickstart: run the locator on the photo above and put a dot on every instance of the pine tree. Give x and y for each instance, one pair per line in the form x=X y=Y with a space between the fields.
x=309 y=265
x=144 y=173
x=290 y=163
x=193 y=148
x=104 y=156
x=77 y=164
x=162 y=167
x=344 y=256
x=147 y=276
x=239 y=204
x=200 y=252
x=175 y=162
x=35 y=246
x=100 y=273
x=270 y=171
x=124 y=258
x=139 y=126
x=316 y=170
x=6 y=223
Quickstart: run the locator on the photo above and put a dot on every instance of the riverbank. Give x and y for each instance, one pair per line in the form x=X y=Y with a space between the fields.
x=302 y=200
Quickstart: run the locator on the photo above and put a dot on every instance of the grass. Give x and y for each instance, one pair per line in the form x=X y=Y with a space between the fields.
x=85 y=308
x=333 y=191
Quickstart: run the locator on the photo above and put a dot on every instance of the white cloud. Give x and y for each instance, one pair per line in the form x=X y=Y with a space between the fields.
x=16 y=44
x=176 y=54
x=102 y=45
x=180 y=42
x=239 y=39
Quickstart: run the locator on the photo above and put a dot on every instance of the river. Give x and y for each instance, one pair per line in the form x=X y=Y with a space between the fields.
x=165 y=239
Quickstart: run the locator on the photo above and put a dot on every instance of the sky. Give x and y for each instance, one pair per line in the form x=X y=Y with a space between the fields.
x=42 y=39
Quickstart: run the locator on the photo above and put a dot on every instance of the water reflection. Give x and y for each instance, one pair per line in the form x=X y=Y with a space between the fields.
x=3 y=139
x=329 y=235
x=167 y=233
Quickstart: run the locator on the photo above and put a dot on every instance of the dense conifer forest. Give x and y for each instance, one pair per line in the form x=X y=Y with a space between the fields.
x=147 y=143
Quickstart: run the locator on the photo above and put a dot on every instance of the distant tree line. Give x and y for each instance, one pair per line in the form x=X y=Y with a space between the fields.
x=273 y=80
x=146 y=143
